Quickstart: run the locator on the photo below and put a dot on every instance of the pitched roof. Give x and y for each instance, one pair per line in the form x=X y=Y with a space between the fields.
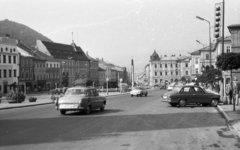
x=207 y=48
x=63 y=51
x=30 y=50
x=101 y=69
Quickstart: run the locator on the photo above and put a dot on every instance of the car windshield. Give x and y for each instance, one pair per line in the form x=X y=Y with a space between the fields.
x=75 y=92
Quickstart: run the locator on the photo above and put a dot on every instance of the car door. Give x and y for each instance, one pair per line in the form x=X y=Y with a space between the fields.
x=200 y=95
x=98 y=100
x=188 y=94
x=92 y=99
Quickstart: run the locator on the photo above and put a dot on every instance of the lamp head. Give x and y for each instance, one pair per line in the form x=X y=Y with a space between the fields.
x=200 y=18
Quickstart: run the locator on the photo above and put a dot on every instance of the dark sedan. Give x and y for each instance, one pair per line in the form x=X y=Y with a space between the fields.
x=191 y=94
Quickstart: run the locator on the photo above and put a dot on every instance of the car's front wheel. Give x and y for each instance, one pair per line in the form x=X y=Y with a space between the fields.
x=63 y=112
x=214 y=103
x=182 y=103
x=131 y=95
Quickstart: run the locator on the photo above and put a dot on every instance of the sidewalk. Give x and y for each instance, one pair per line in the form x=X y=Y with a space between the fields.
x=42 y=99
x=232 y=117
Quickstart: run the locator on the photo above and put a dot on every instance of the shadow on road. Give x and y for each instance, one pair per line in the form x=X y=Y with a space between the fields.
x=67 y=128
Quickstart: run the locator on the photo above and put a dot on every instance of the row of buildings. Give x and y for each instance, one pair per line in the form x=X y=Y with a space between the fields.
x=161 y=69
x=49 y=65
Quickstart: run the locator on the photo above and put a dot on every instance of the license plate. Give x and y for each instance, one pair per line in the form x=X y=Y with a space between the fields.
x=68 y=106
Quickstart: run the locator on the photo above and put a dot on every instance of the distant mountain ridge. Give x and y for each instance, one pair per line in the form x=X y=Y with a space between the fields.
x=21 y=32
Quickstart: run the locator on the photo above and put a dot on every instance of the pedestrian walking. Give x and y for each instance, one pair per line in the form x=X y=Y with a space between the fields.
x=229 y=93
x=235 y=91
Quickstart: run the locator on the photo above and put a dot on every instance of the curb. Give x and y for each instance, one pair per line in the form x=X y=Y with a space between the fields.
x=235 y=126
x=46 y=103
x=20 y=106
x=224 y=114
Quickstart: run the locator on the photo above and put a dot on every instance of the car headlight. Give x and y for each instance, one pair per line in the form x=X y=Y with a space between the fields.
x=165 y=97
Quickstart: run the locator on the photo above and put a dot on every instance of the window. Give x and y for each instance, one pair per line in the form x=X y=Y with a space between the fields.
x=228 y=49
x=185 y=89
x=176 y=72
x=6 y=49
x=207 y=56
x=9 y=59
x=196 y=60
x=166 y=73
x=198 y=90
x=165 y=65
x=186 y=72
x=0 y=73
x=4 y=73
x=4 y=58
x=54 y=66
x=176 y=65
x=14 y=59
x=27 y=75
x=160 y=73
x=155 y=73
x=171 y=73
x=50 y=65
x=186 y=64
x=196 y=70
x=171 y=65
x=14 y=73
x=0 y=58
x=47 y=65
x=155 y=65
x=156 y=80
x=160 y=65
x=22 y=74
x=10 y=73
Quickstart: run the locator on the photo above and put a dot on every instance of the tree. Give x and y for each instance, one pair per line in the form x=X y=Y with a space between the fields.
x=229 y=61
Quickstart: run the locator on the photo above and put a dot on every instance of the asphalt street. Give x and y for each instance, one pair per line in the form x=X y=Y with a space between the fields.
x=128 y=123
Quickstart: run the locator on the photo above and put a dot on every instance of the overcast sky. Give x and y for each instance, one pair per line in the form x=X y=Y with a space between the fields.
x=119 y=30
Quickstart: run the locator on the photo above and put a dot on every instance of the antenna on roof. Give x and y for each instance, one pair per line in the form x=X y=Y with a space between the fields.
x=72 y=38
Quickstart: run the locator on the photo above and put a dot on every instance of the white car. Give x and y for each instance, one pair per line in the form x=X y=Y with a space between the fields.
x=171 y=86
x=138 y=91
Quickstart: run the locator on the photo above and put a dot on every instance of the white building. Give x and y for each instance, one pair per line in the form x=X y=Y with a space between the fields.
x=9 y=63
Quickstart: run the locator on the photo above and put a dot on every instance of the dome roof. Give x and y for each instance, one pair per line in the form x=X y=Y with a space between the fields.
x=154 y=57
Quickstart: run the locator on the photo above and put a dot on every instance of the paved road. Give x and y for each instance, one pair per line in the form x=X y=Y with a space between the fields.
x=129 y=123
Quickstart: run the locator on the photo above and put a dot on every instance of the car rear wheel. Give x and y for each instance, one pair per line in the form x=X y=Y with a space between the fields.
x=102 y=107
x=137 y=95
x=88 y=110
x=131 y=95
x=182 y=103
x=63 y=112
x=214 y=103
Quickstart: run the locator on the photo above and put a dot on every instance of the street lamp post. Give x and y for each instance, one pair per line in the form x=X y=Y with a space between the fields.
x=210 y=62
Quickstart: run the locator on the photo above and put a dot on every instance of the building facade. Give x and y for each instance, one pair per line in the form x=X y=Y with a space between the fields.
x=9 y=63
x=163 y=69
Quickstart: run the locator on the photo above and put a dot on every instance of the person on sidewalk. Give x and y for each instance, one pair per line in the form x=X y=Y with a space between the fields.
x=229 y=92
x=236 y=91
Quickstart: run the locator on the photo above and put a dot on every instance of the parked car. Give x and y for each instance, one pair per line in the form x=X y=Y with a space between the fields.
x=191 y=94
x=138 y=91
x=171 y=86
x=80 y=98
x=163 y=87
